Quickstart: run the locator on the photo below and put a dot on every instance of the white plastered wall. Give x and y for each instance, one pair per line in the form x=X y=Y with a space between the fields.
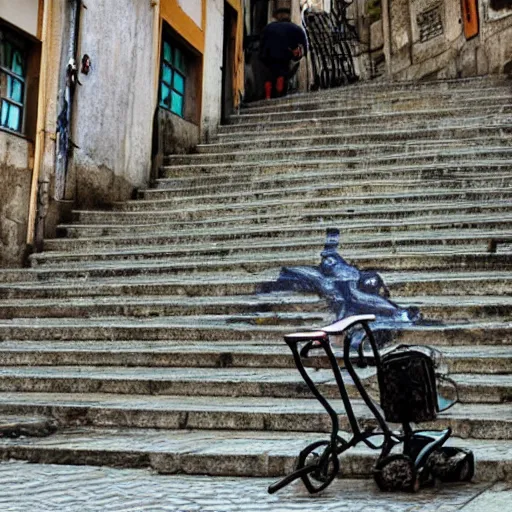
x=193 y=9
x=212 y=68
x=21 y=13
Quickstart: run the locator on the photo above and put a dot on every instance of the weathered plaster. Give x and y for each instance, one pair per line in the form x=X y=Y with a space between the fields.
x=193 y=9
x=212 y=68
x=15 y=179
x=113 y=111
x=177 y=135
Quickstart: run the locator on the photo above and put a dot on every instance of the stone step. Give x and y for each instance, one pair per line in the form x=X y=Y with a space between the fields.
x=375 y=151
x=102 y=248
x=449 y=128
x=217 y=453
x=426 y=161
x=482 y=421
x=219 y=354
x=445 y=308
x=386 y=119
x=14 y=426
x=391 y=193
x=313 y=223
x=99 y=247
x=325 y=209
x=326 y=183
x=419 y=257
x=379 y=91
x=401 y=102
x=332 y=133
x=242 y=328
x=152 y=306
x=228 y=284
x=225 y=382
x=430 y=259
x=278 y=139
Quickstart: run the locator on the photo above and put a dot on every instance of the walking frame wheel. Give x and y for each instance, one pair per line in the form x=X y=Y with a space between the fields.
x=325 y=466
x=316 y=470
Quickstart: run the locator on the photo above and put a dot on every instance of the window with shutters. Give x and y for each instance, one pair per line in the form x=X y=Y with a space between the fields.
x=173 y=77
x=13 y=73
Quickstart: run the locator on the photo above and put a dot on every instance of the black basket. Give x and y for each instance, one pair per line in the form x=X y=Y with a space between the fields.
x=407 y=382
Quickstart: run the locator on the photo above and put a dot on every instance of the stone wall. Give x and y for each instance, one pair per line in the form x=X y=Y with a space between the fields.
x=427 y=39
x=15 y=181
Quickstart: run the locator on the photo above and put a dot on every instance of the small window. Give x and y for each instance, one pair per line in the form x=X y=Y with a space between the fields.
x=172 y=78
x=13 y=69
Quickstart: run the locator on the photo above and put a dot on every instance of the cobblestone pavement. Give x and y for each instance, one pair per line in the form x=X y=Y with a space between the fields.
x=40 y=488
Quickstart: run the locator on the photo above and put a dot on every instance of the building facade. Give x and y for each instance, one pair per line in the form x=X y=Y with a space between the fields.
x=93 y=94
x=431 y=39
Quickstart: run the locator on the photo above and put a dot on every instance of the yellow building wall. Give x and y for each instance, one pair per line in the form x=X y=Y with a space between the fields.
x=177 y=18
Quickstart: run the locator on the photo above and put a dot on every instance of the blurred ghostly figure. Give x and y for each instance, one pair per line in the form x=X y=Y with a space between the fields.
x=282 y=46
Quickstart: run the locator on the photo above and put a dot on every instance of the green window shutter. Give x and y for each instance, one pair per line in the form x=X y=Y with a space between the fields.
x=172 y=78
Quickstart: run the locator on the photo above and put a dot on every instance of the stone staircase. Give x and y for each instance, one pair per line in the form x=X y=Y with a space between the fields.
x=138 y=332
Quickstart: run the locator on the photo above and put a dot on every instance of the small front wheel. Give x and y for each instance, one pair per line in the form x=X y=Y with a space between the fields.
x=325 y=466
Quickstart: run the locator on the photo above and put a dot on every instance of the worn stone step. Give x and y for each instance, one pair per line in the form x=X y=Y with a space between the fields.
x=424 y=159
x=101 y=249
x=14 y=426
x=228 y=453
x=440 y=308
x=376 y=92
x=223 y=382
x=430 y=259
x=263 y=326
x=326 y=184
x=388 y=119
x=148 y=306
x=220 y=354
x=223 y=284
x=422 y=128
x=217 y=382
x=482 y=421
x=429 y=99
x=267 y=226
x=277 y=139
x=323 y=209
x=269 y=172
x=375 y=151
x=421 y=257
x=97 y=248
x=334 y=192
x=319 y=126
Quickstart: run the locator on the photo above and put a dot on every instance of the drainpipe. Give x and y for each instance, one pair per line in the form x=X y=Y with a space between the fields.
x=155 y=4
x=40 y=125
x=155 y=144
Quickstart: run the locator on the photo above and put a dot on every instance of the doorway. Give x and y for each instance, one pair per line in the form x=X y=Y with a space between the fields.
x=228 y=60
